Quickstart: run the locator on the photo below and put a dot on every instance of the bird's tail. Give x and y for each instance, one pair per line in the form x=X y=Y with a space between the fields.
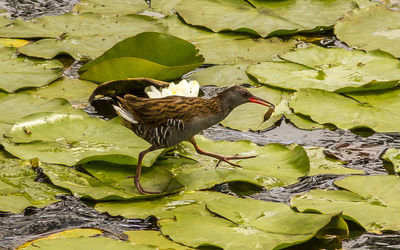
x=125 y=114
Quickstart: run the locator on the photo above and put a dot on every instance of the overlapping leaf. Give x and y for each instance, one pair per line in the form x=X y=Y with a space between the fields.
x=264 y=18
x=377 y=110
x=111 y=6
x=83 y=36
x=65 y=138
x=372 y=201
x=392 y=156
x=149 y=54
x=334 y=69
x=371 y=28
x=18 y=72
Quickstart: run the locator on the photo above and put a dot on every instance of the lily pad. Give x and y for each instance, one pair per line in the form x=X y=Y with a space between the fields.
x=18 y=72
x=74 y=90
x=275 y=164
x=163 y=207
x=154 y=238
x=371 y=28
x=372 y=201
x=65 y=138
x=223 y=75
x=19 y=189
x=224 y=48
x=149 y=54
x=321 y=164
x=392 y=156
x=332 y=69
x=264 y=18
x=76 y=34
x=111 y=6
x=377 y=110
x=81 y=239
x=269 y=225
x=109 y=182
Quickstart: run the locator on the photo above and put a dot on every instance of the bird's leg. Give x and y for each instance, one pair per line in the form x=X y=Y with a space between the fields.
x=139 y=171
x=220 y=158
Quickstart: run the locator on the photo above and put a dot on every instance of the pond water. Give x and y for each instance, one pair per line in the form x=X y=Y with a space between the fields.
x=360 y=153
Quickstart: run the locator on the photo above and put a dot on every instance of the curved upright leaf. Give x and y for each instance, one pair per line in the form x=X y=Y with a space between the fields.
x=371 y=28
x=149 y=54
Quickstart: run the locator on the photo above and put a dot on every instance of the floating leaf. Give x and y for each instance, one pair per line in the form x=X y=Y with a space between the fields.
x=81 y=239
x=221 y=48
x=321 y=164
x=372 y=201
x=109 y=182
x=111 y=6
x=275 y=164
x=16 y=43
x=392 y=156
x=265 y=18
x=154 y=238
x=377 y=110
x=166 y=7
x=222 y=75
x=83 y=36
x=18 y=188
x=371 y=28
x=149 y=54
x=269 y=225
x=74 y=90
x=22 y=72
x=332 y=69
x=69 y=139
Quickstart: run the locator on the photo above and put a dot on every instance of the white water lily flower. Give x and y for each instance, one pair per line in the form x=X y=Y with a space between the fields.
x=183 y=88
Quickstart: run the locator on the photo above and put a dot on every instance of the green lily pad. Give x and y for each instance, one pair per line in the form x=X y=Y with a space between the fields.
x=65 y=138
x=377 y=110
x=109 y=182
x=264 y=18
x=74 y=90
x=163 y=207
x=81 y=239
x=224 y=48
x=18 y=72
x=371 y=28
x=321 y=164
x=19 y=190
x=392 y=156
x=269 y=225
x=332 y=69
x=223 y=75
x=15 y=106
x=77 y=34
x=275 y=164
x=166 y=7
x=372 y=201
x=111 y=6
x=149 y=54
x=154 y=238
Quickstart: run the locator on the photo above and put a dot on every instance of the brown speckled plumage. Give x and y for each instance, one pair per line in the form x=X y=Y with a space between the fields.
x=165 y=122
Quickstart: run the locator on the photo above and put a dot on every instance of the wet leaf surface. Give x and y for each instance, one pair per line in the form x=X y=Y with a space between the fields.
x=148 y=54
x=332 y=69
x=372 y=201
x=21 y=72
x=111 y=6
x=371 y=29
x=154 y=238
x=285 y=17
x=69 y=138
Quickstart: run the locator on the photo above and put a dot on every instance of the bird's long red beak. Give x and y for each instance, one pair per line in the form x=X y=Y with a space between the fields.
x=261 y=101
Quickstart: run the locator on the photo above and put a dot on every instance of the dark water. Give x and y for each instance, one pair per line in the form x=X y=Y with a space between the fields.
x=360 y=153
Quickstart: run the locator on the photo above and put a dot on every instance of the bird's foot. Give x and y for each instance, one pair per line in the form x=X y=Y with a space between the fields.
x=141 y=189
x=234 y=157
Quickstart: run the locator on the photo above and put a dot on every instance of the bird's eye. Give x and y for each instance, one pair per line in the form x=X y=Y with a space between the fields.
x=244 y=93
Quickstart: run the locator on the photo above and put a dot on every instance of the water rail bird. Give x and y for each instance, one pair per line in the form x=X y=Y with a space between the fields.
x=165 y=122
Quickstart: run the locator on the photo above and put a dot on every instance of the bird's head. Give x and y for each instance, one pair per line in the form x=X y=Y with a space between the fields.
x=237 y=95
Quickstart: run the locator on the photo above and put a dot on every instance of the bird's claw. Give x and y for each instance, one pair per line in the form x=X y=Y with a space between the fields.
x=234 y=157
x=141 y=189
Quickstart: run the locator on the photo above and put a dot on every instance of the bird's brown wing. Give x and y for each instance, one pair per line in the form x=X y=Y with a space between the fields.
x=160 y=111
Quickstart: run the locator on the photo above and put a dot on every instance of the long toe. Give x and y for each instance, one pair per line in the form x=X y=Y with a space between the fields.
x=236 y=157
x=142 y=190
